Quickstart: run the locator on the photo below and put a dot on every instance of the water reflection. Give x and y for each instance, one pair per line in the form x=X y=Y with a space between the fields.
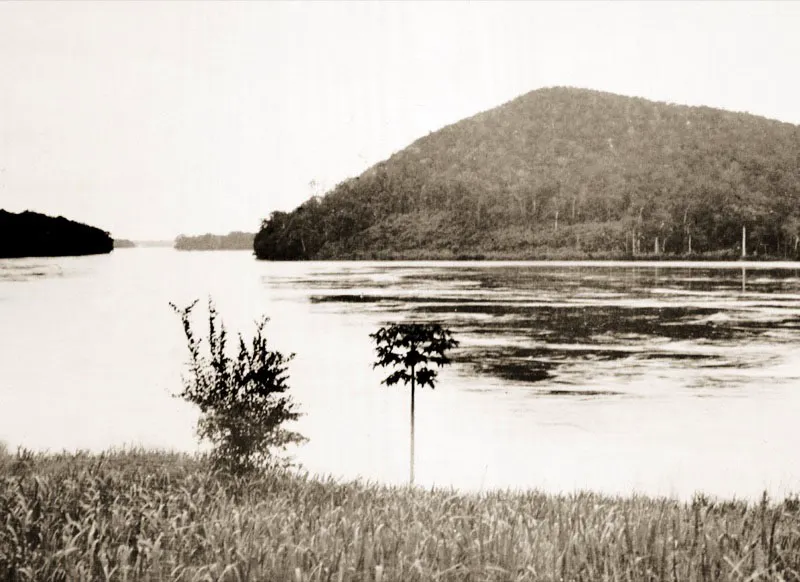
x=555 y=324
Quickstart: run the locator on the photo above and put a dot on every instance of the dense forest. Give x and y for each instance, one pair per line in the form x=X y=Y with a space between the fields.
x=30 y=234
x=564 y=172
x=234 y=241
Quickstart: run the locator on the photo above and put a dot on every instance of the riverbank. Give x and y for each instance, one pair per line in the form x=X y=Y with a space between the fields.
x=561 y=254
x=160 y=516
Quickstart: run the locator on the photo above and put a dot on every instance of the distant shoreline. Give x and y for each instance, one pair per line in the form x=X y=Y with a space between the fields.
x=233 y=241
x=211 y=250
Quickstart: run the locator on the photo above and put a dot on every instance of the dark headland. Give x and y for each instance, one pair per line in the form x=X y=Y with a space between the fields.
x=564 y=173
x=30 y=234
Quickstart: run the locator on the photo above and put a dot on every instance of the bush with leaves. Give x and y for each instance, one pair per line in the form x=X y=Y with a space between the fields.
x=242 y=400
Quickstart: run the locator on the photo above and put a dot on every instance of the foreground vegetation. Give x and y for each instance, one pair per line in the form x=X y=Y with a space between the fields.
x=244 y=400
x=566 y=172
x=160 y=516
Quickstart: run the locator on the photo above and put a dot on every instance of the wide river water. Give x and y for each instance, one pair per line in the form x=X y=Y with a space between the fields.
x=660 y=378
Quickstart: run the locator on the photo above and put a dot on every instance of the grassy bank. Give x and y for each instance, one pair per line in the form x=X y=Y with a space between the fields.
x=158 y=516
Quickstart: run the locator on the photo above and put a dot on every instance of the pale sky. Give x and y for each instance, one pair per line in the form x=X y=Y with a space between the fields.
x=151 y=119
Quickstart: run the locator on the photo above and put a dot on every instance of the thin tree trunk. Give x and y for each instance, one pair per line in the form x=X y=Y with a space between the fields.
x=744 y=241
x=411 y=462
x=686 y=228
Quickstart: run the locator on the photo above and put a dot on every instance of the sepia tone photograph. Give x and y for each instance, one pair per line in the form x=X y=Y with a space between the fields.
x=399 y=291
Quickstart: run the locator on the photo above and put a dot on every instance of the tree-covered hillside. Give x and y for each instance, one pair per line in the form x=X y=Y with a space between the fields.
x=564 y=172
x=30 y=234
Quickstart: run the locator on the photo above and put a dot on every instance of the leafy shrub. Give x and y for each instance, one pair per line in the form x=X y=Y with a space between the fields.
x=242 y=400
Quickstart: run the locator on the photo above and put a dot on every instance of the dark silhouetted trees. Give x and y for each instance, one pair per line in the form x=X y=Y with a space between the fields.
x=30 y=234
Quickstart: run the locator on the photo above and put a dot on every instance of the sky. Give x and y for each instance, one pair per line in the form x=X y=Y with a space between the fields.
x=153 y=119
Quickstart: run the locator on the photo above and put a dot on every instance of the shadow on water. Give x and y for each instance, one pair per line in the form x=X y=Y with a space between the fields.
x=553 y=325
x=579 y=393
x=574 y=322
x=561 y=324
x=21 y=270
x=531 y=365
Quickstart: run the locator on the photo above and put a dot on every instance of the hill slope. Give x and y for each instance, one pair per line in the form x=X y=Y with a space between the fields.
x=563 y=172
x=30 y=234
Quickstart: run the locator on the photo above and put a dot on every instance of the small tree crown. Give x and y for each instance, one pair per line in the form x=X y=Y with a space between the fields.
x=410 y=348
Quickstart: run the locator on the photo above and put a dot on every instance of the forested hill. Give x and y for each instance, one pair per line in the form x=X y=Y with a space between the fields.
x=30 y=234
x=564 y=173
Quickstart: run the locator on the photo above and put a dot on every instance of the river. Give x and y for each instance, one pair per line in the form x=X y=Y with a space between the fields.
x=661 y=379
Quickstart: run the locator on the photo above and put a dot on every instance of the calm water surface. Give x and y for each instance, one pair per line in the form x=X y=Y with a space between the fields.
x=621 y=378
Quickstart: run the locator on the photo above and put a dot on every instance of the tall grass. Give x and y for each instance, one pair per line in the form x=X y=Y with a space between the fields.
x=136 y=515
